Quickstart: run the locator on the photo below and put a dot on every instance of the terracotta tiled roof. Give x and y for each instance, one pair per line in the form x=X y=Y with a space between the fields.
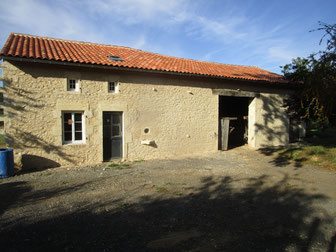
x=43 y=48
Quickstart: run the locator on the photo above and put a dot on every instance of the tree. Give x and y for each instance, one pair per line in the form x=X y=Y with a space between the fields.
x=316 y=99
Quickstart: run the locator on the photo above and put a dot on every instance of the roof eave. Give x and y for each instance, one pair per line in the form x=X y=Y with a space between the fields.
x=74 y=64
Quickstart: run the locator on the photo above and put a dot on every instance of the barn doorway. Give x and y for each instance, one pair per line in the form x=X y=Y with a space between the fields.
x=233 y=121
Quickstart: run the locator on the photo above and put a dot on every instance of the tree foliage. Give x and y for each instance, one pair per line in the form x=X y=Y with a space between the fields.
x=316 y=100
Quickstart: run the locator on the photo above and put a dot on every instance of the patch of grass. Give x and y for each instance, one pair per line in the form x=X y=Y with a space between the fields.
x=290 y=185
x=113 y=165
x=179 y=194
x=160 y=189
x=170 y=183
x=122 y=205
x=120 y=166
x=174 y=184
x=139 y=161
x=321 y=152
x=290 y=153
x=316 y=150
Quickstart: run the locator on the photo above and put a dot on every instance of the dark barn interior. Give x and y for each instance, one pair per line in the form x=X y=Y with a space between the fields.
x=236 y=110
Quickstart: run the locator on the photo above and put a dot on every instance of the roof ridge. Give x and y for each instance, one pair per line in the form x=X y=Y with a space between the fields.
x=130 y=48
x=68 y=40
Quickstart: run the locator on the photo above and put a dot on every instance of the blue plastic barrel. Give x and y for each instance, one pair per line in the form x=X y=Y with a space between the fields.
x=6 y=163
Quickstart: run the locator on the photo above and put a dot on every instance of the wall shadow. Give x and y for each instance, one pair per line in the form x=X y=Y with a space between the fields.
x=220 y=215
x=272 y=133
x=36 y=163
x=25 y=141
x=272 y=115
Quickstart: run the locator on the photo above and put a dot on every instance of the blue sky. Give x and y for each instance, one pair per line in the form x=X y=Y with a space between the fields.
x=261 y=33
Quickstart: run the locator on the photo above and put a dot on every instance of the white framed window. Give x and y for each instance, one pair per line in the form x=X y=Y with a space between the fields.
x=73 y=85
x=73 y=127
x=113 y=87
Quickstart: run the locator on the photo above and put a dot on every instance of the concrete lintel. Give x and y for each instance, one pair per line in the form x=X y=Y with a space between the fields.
x=238 y=93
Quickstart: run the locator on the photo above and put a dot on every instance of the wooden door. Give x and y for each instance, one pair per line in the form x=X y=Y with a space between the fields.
x=224 y=127
x=112 y=136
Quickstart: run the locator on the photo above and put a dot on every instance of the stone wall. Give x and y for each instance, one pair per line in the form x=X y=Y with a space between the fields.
x=181 y=113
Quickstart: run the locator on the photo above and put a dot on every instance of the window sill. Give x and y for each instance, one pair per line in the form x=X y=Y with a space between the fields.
x=73 y=92
x=73 y=143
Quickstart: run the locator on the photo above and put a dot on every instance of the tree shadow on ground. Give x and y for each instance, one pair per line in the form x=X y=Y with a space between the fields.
x=283 y=157
x=10 y=194
x=222 y=214
x=321 y=144
x=22 y=194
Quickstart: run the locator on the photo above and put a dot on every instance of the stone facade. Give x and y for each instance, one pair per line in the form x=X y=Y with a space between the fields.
x=180 y=112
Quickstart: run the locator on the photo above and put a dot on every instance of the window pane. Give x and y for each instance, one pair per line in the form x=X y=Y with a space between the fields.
x=67 y=127
x=67 y=116
x=78 y=135
x=78 y=126
x=67 y=136
x=78 y=117
x=72 y=84
x=111 y=86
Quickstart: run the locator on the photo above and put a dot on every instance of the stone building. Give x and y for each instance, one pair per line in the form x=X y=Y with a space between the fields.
x=68 y=102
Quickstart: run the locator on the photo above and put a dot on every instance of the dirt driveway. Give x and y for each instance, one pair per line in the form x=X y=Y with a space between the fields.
x=240 y=200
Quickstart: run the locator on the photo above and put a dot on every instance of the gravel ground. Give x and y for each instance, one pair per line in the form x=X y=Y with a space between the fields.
x=239 y=200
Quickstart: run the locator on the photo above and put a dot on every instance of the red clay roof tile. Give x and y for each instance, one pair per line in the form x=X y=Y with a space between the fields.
x=27 y=46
